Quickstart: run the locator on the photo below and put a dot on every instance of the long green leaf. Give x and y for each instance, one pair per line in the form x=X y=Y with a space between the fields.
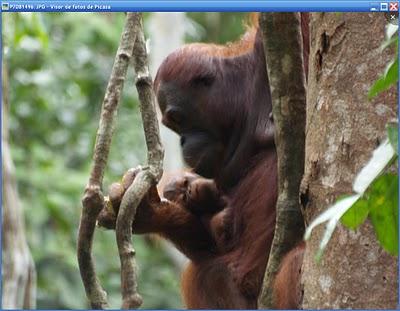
x=381 y=157
x=334 y=212
x=341 y=207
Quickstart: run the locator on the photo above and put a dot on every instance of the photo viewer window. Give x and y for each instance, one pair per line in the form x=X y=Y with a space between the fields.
x=200 y=154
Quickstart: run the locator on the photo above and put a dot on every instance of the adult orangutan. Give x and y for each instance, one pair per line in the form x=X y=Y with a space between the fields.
x=217 y=99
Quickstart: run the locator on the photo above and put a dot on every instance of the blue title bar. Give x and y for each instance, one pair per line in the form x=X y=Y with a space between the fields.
x=196 y=6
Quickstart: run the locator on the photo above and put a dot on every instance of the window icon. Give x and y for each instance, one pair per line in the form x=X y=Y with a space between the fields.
x=374 y=7
x=394 y=6
x=4 y=6
x=384 y=6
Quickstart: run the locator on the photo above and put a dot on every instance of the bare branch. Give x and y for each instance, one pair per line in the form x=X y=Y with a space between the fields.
x=148 y=176
x=18 y=268
x=93 y=199
x=283 y=50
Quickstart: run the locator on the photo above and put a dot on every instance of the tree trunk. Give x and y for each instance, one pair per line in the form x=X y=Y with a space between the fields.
x=18 y=270
x=343 y=128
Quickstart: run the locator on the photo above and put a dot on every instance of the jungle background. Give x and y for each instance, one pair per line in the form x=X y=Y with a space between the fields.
x=56 y=67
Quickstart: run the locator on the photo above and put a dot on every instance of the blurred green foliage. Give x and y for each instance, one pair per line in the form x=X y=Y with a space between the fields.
x=58 y=67
x=217 y=27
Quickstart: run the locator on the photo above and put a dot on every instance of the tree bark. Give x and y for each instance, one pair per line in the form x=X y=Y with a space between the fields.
x=18 y=269
x=287 y=83
x=343 y=128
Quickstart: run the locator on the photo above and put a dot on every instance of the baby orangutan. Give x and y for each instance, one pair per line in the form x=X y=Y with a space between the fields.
x=184 y=216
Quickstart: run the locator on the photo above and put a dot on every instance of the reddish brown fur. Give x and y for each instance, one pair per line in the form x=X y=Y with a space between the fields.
x=228 y=249
x=287 y=287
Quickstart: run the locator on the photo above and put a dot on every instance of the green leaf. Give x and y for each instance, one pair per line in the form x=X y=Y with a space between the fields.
x=393 y=135
x=356 y=215
x=389 y=78
x=381 y=157
x=383 y=202
x=392 y=73
x=332 y=215
x=339 y=208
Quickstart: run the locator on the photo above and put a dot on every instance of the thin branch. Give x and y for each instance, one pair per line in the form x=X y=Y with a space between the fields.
x=18 y=267
x=147 y=177
x=93 y=199
x=283 y=50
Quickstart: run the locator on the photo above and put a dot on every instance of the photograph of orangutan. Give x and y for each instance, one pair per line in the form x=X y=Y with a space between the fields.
x=217 y=160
